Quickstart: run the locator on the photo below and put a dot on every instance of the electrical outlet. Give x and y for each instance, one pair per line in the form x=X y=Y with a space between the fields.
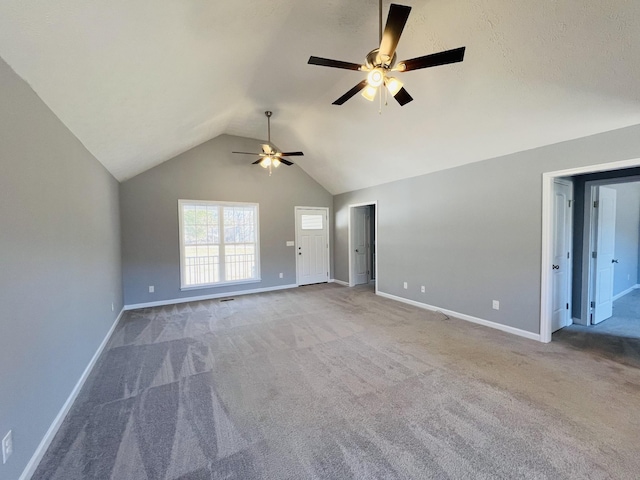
x=405 y=285
x=7 y=447
x=281 y=275
x=496 y=305
x=152 y=289
x=422 y=289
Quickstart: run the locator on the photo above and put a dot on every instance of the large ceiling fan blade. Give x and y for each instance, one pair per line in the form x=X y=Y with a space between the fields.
x=327 y=62
x=433 y=60
x=285 y=161
x=247 y=153
x=350 y=93
x=403 y=97
x=398 y=16
x=257 y=161
x=291 y=154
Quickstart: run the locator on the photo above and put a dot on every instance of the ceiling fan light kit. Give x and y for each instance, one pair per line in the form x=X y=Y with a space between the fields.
x=271 y=158
x=382 y=60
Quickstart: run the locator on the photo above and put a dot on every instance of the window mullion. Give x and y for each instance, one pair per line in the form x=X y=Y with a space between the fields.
x=223 y=276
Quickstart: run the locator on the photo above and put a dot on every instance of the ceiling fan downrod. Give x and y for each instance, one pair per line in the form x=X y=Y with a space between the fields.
x=268 y=113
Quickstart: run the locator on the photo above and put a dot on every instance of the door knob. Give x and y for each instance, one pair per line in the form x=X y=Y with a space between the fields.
x=556 y=267
x=357 y=251
x=615 y=260
x=299 y=253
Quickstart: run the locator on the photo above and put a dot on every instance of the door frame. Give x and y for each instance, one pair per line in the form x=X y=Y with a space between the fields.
x=590 y=233
x=328 y=223
x=350 y=242
x=546 y=284
x=570 y=184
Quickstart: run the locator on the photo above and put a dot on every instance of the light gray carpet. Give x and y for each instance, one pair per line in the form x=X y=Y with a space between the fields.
x=327 y=382
x=617 y=338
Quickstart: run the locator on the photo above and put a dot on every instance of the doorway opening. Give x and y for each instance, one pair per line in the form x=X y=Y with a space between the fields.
x=588 y=278
x=611 y=238
x=363 y=234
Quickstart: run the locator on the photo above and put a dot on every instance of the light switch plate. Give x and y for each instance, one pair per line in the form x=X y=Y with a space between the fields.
x=290 y=243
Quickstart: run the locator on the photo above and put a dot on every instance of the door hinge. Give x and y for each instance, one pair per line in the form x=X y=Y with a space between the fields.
x=596 y=204
x=567 y=306
x=591 y=319
x=567 y=254
x=569 y=201
x=593 y=304
x=594 y=254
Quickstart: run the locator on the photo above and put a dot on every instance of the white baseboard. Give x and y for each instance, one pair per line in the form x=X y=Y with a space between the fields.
x=339 y=282
x=462 y=316
x=173 y=301
x=628 y=290
x=30 y=469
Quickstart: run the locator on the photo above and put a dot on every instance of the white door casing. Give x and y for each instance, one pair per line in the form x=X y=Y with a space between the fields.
x=605 y=252
x=359 y=244
x=561 y=267
x=546 y=284
x=312 y=245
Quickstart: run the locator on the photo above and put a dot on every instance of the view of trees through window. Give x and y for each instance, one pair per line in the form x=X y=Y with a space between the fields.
x=219 y=242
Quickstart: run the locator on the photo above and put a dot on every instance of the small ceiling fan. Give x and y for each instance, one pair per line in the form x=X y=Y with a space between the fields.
x=271 y=158
x=382 y=60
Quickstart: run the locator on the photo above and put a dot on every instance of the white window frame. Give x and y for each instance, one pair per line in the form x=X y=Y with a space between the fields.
x=181 y=204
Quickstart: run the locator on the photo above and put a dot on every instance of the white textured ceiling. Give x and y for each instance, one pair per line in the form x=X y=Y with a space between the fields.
x=141 y=81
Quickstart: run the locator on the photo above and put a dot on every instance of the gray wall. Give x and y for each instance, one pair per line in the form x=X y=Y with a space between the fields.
x=59 y=264
x=149 y=208
x=472 y=234
x=627 y=236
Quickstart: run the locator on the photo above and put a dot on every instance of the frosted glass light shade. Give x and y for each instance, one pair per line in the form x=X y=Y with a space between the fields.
x=369 y=92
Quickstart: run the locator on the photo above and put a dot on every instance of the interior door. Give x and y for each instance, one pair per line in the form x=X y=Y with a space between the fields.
x=312 y=245
x=359 y=244
x=560 y=273
x=605 y=252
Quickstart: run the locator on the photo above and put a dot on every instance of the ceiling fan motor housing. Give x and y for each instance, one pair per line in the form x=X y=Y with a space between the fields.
x=375 y=60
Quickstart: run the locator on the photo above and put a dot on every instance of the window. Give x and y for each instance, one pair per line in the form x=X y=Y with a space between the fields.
x=311 y=222
x=218 y=243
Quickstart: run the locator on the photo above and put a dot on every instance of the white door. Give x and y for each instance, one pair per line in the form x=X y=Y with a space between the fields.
x=561 y=268
x=359 y=244
x=312 y=245
x=605 y=252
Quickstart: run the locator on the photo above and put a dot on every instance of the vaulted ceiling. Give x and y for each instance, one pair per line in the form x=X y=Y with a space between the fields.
x=141 y=81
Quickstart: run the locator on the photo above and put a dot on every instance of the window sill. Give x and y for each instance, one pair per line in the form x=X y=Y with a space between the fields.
x=219 y=284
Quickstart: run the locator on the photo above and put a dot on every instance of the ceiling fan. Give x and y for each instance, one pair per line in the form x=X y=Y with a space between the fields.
x=382 y=60
x=271 y=158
